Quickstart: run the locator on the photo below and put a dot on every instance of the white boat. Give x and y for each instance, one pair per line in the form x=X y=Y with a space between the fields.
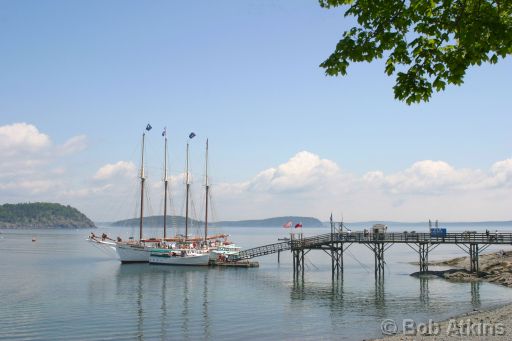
x=222 y=252
x=133 y=253
x=180 y=257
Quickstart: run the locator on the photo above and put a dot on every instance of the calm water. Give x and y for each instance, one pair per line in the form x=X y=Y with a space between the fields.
x=63 y=288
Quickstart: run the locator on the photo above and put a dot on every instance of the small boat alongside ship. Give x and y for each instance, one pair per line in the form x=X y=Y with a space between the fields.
x=180 y=257
x=222 y=252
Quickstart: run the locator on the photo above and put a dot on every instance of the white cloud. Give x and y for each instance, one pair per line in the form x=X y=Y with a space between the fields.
x=306 y=184
x=309 y=185
x=302 y=172
x=426 y=177
x=73 y=145
x=120 y=168
x=32 y=166
x=85 y=192
x=27 y=187
x=19 y=138
x=502 y=173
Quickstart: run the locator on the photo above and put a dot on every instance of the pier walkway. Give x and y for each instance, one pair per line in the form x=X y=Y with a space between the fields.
x=334 y=244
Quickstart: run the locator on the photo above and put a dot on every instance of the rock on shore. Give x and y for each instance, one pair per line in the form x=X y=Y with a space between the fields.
x=494 y=267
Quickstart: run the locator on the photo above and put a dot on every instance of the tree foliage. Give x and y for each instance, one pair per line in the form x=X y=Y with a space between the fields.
x=42 y=214
x=427 y=43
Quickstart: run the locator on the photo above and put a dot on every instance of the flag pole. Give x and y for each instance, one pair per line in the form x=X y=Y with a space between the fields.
x=331 y=227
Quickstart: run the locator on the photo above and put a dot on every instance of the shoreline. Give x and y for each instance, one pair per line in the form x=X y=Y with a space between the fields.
x=495 y=267
x=490 y=323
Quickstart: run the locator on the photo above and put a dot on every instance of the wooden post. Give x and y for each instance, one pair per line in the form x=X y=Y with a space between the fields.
x=423 y=253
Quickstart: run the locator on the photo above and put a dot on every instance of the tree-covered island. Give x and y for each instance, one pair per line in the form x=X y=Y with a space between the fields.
x=42 y=215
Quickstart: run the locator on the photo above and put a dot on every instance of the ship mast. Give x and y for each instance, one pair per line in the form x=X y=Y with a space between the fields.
x=166 y=182
x=207 y=187
x=142 y=179
x=190 y=136
x=187 y=196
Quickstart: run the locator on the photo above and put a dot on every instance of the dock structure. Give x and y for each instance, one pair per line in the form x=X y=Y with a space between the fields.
x=336 y=243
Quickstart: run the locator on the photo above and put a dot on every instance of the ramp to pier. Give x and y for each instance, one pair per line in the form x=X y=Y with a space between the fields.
x=283 y=246
x=262 y=250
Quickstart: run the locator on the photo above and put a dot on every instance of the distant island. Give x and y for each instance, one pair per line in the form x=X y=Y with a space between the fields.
x=42 y=215
x=155 y=221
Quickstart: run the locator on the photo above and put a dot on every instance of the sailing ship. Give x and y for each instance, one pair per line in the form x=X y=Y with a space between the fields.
x=167 y=249
x=190 y=250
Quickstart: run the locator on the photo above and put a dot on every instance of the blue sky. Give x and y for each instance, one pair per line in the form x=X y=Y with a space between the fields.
x=244 y=74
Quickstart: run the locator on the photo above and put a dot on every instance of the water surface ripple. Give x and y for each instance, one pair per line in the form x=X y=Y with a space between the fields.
x=62 y=288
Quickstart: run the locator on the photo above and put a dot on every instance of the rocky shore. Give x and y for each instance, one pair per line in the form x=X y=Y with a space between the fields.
x=493 y=324
x=494 y=267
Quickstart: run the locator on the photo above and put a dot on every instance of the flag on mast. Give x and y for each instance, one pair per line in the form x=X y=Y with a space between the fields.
x=288 y=225
x=164 y=133
x=299 y=225
x=191 y=135
x=149 y=127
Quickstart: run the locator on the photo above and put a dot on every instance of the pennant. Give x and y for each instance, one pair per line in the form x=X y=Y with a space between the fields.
x=191 y=136
x=149 y=127
x=288 y=225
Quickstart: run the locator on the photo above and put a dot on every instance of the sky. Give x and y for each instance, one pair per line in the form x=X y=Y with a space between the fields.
x=79 y=81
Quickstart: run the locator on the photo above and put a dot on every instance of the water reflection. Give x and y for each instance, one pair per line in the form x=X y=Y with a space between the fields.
x=140 y=310
x=168 y=302
x=163 y=308
x=380 y=295
x=424 y=293
x=332 y=291
x=185 y=310
x=206 y=319
x=475 y=294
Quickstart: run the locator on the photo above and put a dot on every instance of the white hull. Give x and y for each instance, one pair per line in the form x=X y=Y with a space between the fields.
x=133 y=253
x=224 y=251
x=197 y=259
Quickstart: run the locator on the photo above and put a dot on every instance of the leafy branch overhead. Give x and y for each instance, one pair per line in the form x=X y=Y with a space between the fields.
x=427 y=43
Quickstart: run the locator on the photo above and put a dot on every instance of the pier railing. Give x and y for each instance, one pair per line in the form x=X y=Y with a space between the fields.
x=324 y=240
x=261 y=251
x=414 y=237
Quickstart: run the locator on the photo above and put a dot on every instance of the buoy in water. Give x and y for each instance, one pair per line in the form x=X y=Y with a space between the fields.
x=33 y=239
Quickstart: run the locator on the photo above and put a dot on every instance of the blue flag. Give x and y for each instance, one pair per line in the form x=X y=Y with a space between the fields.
x=191 y=136
x=149 y=127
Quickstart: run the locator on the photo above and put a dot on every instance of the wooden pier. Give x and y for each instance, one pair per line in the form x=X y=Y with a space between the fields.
x=235 y=264
x=336 y=243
